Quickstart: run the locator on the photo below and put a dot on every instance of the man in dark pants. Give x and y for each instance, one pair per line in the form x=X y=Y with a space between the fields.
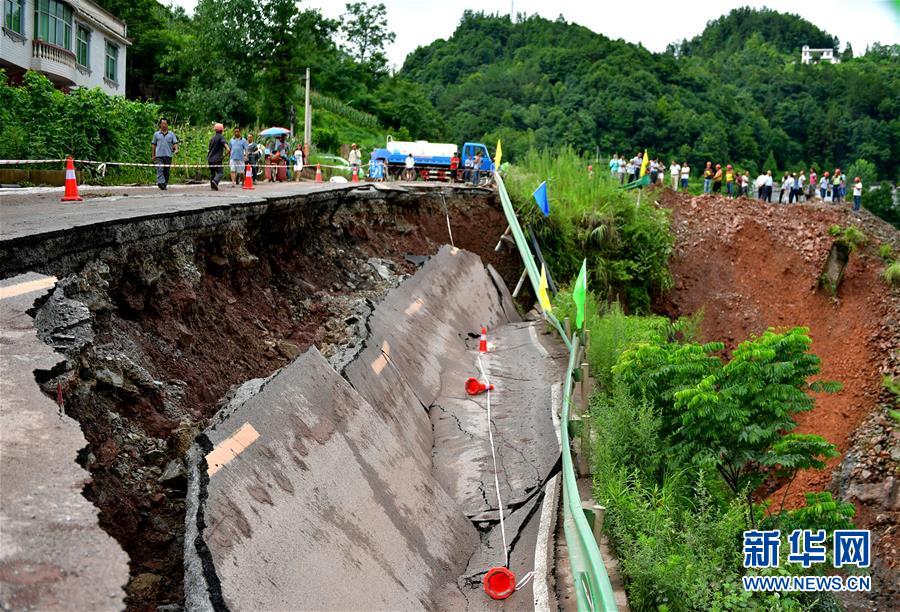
x=163 y=147
x=215 y=155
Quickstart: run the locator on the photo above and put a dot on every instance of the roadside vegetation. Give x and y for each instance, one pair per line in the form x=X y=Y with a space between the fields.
x=627 y=246
x=689 y=441
x=683 y=437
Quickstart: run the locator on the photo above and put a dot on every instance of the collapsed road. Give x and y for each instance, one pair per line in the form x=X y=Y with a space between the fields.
x=369 y=472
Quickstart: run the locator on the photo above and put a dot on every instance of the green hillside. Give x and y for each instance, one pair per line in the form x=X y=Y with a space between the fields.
x=736 y=93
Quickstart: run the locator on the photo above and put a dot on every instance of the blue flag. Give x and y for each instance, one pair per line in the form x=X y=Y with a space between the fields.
x=540 y=196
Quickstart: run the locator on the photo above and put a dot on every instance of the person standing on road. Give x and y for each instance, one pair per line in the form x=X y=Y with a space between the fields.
x=238 y=148
x=708 y=177
x=409 y=167
x=163 y=147
x=614 y=165
x=254 y=152
x=636 y=162
x=355 y=158
x=622 y=167
x=800 y=185
x=745 y=184
x=298 y=162
x=770 y=181
x=685 y=176
x=857 y=194
x=214 y=156
x=812 y=185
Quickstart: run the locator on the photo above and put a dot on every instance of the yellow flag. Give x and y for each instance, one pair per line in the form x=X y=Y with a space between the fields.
x=543 y=298
x=498 y=156
x=644 y=164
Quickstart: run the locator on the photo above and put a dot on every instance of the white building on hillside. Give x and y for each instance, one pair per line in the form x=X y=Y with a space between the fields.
x=810 y=56
x=74 y=43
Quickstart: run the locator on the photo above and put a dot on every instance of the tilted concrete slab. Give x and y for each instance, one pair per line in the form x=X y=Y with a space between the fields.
x=419 y=330
x=318 y=484
x=53 y=554
x=309 y=500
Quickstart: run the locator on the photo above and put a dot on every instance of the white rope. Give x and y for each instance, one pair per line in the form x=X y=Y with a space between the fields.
x=487 y=381
x=525 y=580
x=102 y=165
x=447 y=214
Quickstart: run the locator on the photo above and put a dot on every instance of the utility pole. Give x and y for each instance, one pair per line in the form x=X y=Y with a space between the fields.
x=307 y=121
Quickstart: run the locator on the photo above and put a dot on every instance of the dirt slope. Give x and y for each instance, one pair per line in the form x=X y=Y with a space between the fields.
x=751 y=266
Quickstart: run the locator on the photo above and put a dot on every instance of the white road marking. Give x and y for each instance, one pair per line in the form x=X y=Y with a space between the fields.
x=31 y=286
x=542 y=546
x=537 y=342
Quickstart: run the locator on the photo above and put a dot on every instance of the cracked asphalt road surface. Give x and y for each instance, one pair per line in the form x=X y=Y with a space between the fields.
x=523 y=371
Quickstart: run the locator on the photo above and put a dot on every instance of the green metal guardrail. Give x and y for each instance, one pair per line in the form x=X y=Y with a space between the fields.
x=592 y=586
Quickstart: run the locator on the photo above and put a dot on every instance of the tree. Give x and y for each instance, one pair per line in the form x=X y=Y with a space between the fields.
x=364 y=28
x=735 y=416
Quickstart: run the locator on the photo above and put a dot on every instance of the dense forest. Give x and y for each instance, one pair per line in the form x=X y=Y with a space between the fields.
x=735 y=93
x=244 y=61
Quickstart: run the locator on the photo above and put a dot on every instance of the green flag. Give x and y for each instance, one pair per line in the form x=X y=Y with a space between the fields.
x=579 y=294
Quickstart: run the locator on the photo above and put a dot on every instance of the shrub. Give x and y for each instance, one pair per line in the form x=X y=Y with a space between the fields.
x=880 y=202
x=892 y=274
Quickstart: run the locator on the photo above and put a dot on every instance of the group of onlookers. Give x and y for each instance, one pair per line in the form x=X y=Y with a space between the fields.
x=274 y=157
x=794 y=186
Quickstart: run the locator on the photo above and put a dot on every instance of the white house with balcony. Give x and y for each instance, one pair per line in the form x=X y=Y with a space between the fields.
x=74 y=43
x=815 y=56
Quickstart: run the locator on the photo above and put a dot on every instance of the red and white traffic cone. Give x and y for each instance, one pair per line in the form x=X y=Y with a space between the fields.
x=248 y=177
x=499 y=583
x=482 y=344
x=71 y=194
x=355 y=177
x=318 y=173
x=476 y=387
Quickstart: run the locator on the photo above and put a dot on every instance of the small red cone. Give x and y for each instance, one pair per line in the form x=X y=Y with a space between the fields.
x=355 y=178
x=499 y=583
x=318 y=173
x=482 y=344
x=71 y=194
x=476 y=387
x=248 y=178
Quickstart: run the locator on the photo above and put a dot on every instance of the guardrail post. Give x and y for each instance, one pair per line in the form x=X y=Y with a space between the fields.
x=586 y=386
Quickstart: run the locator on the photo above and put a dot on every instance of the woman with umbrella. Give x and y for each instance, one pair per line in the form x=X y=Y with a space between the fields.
x=277 y=153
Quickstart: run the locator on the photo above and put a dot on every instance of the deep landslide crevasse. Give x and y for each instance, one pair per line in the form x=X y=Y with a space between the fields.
x=156 y=333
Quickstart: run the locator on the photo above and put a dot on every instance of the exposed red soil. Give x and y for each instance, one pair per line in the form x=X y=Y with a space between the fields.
x=751 y=266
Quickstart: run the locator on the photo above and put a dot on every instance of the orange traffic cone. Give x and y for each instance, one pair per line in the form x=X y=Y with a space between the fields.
x=318 y=173
x=482 y=344
x=355 y=178
x=248 y=178
x=71 y=194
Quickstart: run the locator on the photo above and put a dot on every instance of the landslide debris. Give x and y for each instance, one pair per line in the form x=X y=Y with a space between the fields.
x=751 y=266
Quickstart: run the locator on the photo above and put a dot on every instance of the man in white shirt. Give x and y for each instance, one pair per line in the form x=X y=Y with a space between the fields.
x=685 y=175
x=675 y=171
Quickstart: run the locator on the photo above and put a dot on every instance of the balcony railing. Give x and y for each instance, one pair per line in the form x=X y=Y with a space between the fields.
x=44 y=51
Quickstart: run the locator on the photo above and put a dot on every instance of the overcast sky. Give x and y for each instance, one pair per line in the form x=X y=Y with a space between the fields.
x=653 y=23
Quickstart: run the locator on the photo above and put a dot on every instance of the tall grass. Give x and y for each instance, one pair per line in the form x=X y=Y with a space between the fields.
x=627 y=245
